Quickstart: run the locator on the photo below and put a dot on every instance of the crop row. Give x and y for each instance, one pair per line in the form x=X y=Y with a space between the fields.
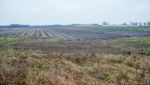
x=70 y=34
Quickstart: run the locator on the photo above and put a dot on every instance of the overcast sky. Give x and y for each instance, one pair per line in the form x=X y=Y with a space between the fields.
x=73 y=11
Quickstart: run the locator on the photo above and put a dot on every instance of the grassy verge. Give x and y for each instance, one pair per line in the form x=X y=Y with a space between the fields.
x=9 y=39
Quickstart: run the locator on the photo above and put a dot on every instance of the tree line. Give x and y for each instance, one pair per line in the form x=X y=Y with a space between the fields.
x=129 y=24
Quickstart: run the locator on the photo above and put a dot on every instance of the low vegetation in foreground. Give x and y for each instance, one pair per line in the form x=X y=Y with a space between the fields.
x=35 y=68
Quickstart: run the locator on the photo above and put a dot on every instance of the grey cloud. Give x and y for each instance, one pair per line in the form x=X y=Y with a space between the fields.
x=73 y=11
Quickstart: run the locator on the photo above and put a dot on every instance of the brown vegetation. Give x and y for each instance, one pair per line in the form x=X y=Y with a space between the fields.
x=36 y=68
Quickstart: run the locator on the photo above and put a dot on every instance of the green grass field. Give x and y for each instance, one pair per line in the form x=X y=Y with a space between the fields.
x=143 y=28
x=9 y=39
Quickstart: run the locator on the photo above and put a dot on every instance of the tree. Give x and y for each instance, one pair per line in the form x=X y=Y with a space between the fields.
x=145 y=24
x=140 y=24
x=148 y=23
x=125 y=24
x=105 y=23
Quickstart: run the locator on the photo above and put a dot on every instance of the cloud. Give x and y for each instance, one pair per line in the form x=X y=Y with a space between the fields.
x=73 y=11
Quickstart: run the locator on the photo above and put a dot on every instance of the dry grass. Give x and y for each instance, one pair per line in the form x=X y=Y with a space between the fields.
x=35 y=68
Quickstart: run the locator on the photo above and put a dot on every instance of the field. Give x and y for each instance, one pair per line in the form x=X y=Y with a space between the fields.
x=75 y=32
x=75 y=55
